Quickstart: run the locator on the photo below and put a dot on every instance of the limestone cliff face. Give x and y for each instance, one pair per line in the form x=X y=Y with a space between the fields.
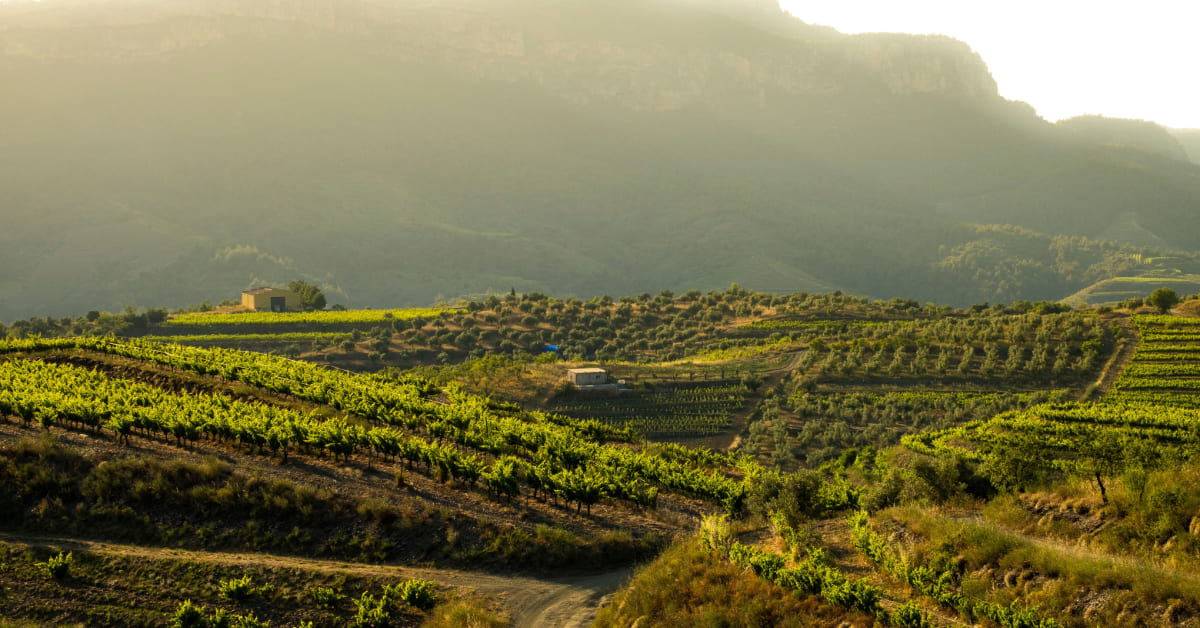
x=118 y=30
x=553 y=44
x=921 y=64
x=741 y=8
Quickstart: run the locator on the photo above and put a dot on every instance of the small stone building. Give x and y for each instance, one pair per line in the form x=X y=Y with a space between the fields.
x=271 y=300
x=587 y=377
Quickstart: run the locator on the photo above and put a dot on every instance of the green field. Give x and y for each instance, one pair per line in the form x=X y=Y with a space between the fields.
x=286 y=319
x=1111 y=291
x=247 y=338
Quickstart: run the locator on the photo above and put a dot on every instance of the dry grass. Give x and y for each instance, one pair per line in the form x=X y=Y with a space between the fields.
x=1077 y=583
x=466 y=612
x=1189 y=308
x=688 y=586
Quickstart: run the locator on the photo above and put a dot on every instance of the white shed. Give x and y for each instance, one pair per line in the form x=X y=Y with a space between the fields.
x=587 y=377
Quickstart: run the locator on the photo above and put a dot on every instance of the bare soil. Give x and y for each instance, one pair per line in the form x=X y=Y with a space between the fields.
x=1116 y=364
x=530 y=601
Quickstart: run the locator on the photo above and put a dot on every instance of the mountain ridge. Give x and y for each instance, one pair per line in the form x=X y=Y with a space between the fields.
x=397 y=153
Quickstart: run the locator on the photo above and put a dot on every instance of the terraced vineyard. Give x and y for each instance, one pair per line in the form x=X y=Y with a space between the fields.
x=863 y=384
x=826 y=425
x=459 y=437
x=1150 y=417
x=1164 y=369
x=974 y=351
x=981 y=400
x=834 y=325
x=674 y=411
x=247 y=338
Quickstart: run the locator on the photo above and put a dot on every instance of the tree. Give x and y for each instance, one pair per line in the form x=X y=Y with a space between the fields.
x=1164 y=299
x=1102 y=455
x=310 y=296
x=1011 y=467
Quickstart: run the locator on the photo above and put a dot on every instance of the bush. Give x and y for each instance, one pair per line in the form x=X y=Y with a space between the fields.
x=242 y=588
x=1164 y=299
x=371 y=612
x=716 y=533
x=249 y=620
x=464 y=613
x=856 y=594
x=188 y=615
x=418 y=593
x=798 y=496
x=325 y=597
x=58 y=567
x=909 y=615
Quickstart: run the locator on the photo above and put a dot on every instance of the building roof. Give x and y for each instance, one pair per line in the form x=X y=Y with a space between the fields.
x=586 y=371
x=262 y=290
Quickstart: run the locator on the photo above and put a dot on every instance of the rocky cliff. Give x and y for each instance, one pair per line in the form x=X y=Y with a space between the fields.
x=679 y=57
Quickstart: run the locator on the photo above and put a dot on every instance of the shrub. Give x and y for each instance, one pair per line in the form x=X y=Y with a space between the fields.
x=325 y=597
x=188 y=615
x=237 y=589
x=249 y=620
x=716 y=534
x=464 y=613
x=371 y=612
x=909 y=615
x=856 y=594
x=418 y=593
x=377 y=510
x=58 y=567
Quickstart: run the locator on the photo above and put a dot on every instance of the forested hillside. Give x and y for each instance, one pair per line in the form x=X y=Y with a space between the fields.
x=163 y=154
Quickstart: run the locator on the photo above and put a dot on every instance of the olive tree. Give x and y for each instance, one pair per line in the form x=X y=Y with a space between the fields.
x=1164 y=299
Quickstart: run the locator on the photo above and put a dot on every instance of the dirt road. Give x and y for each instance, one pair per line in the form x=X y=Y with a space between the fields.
x=1112 y=370
x=531 y=602
x=731 y=439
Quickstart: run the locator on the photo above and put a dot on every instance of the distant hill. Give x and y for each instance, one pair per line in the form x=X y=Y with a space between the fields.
x=1190 y=140
x=398 y=152
x=1117 y=132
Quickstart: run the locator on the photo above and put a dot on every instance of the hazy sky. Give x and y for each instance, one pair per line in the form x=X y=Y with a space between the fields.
x=1064 y=57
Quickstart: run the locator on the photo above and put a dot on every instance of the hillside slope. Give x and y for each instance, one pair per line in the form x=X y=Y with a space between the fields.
x=1190 y=140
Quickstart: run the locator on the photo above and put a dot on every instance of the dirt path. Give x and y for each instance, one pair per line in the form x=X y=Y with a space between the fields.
x=791 y=366
x=567 y=602
x=732 y=439
x=1116 y=364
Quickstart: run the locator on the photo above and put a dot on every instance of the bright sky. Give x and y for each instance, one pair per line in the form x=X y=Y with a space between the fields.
x=1065 y=57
